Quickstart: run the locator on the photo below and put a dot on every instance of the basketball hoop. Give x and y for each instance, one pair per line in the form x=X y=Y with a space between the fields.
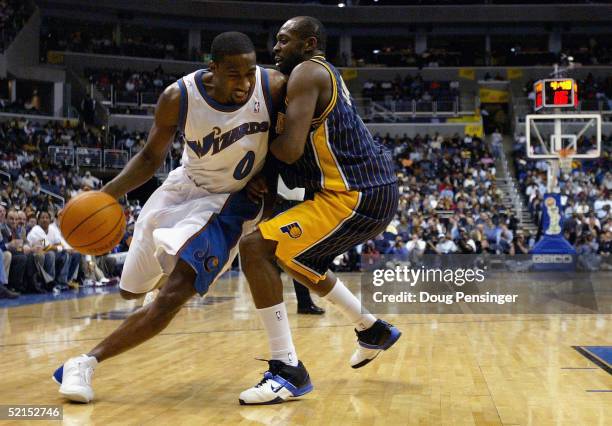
x=565 y=160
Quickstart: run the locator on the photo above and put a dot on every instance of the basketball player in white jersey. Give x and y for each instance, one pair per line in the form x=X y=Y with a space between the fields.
x=188 y=231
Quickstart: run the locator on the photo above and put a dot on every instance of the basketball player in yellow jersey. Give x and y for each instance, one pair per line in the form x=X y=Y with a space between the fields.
x=353 y=197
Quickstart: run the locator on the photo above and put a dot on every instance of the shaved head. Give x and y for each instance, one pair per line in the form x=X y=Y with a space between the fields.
x=307 y=26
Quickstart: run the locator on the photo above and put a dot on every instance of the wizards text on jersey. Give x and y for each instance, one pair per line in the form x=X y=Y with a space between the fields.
x=218 y=142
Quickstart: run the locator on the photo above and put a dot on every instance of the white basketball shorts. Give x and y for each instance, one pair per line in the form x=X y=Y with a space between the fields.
x=182 y=220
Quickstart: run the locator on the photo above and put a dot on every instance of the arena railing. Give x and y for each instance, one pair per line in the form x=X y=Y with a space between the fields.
x=420 y=107
x=112 y=97
x=61 y=199
x=98 y=158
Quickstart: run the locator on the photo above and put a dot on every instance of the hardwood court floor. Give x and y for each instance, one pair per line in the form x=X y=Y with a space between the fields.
x=445 y=370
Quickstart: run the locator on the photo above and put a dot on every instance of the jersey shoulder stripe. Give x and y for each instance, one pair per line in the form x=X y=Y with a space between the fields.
x=334 y=97
x=184 y=105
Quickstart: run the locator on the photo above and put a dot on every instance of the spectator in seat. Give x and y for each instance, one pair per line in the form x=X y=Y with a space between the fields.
x=5 y=293
x=605 y=248
x=399 y=249
x=29 y=223
x=90 y=181
x=60 y=263
x=504 y=239
x=465 y=244
x=416 y=246
x=14 y=236
x=480 y=243
x=93 y=274
x=445 y=244
x=369 y=254
x=519 y=244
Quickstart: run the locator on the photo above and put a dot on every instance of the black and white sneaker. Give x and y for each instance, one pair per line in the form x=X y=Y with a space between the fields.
x=280 y=383
x=371 y=342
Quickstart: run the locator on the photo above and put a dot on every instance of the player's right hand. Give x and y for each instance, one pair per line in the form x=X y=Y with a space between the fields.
x=257 y=188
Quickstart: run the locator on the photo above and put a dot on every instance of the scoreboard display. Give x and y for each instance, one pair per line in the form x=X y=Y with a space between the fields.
x=555 y=93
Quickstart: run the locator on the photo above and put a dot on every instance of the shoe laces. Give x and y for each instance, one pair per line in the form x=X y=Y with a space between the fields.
x=375 y=334
x=274 y=367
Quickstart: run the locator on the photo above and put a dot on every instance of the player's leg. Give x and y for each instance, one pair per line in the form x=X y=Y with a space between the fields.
x=305 y=304
x=370 y=217
x=153 y=318
x=76 y=374
x=286 y=377
x=373 y=335
x=294 y=229
x=141 y=271
x=330 y=225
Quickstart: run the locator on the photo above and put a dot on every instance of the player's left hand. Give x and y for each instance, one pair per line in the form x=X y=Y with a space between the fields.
x=257 y=188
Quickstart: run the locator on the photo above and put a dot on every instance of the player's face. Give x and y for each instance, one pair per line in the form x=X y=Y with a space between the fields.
x=234 y=77
x=289 y=49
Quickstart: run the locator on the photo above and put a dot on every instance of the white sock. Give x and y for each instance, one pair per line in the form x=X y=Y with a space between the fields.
x=350 y=306
x=276 y=323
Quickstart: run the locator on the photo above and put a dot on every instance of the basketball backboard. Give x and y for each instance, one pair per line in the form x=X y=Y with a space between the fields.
x=549 y=134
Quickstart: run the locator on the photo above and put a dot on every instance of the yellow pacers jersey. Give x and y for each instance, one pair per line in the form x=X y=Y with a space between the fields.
x=340 y=154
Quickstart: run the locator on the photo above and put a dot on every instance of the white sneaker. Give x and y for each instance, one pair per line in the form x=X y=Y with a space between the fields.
x=150 y=297
x=280 y=383
x=74 y=378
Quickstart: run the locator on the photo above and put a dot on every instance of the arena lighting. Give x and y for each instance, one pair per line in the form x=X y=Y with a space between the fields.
x=341 y=4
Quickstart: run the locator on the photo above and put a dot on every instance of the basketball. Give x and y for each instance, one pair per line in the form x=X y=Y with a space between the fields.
x=92 y=223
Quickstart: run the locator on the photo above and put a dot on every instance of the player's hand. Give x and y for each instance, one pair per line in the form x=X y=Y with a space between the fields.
x=257 y=188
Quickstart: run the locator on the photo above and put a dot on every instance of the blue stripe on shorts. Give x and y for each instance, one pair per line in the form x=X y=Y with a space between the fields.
x=208 y=251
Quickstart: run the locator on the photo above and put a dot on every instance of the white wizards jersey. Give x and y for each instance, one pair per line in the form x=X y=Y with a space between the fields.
x=224 y=145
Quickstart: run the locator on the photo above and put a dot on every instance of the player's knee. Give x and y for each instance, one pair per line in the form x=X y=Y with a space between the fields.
x=254 y=246
x=247 y=245
x=128 y=295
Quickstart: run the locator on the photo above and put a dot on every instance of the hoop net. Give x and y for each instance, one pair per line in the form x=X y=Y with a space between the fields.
x=565 y=160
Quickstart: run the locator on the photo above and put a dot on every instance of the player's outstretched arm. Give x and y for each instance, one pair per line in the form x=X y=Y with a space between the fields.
x=144 y=164
x=303 y=89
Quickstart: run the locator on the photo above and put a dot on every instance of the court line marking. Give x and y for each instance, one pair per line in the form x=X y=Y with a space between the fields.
x=593 y=358
x=484 y=377
x=579 y=368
